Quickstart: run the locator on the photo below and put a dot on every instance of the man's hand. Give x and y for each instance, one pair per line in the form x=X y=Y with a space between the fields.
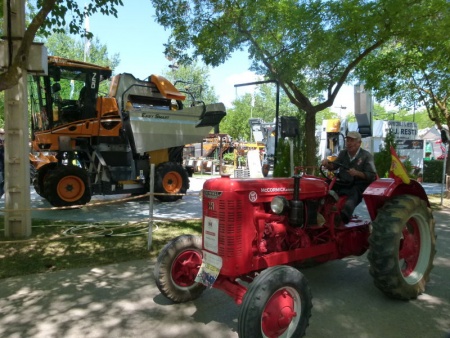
x=356 y=173
x=326 y=163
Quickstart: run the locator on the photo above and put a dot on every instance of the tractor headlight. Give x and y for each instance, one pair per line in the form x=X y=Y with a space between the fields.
x=279 y=204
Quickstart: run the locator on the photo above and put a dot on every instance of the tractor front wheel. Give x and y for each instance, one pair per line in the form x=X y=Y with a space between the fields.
x=170 y=178
x=176 y=268
x=277 y=304
x=402 y=247
x=66 y=186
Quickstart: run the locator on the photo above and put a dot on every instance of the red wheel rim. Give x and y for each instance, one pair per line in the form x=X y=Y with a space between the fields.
x=185 y=268
x=409 y=250
x=279 y=313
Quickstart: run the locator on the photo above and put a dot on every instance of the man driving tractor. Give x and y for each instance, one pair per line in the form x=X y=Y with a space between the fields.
x=358 y=165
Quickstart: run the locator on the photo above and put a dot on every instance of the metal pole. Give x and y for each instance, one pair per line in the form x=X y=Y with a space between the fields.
x=277 y=115
x=150 y=207
x=291 y=153
x=17 y=169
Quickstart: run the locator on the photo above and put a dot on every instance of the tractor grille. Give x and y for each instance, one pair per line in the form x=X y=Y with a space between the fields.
x=230 y=215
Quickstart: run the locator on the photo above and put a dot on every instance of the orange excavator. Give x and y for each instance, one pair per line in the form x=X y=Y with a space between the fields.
x=106 y=132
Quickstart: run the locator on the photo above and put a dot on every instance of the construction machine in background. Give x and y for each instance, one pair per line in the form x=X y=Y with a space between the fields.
x=105 y=137
x=265 y=133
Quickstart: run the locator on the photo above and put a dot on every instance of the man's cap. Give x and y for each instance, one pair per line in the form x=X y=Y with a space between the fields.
x=354 y=134
x=2 y=131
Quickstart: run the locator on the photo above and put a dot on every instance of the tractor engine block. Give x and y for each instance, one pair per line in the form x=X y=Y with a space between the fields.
x=239 y=226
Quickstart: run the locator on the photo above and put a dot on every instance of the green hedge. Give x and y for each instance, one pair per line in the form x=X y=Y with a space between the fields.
x=432 y=171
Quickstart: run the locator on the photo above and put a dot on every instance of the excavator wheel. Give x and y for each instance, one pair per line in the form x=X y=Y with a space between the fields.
x=170 y=178
x=40 y=176
x=66 y=186
x=33 y=172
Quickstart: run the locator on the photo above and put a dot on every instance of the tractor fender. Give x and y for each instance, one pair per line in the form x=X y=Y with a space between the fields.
x=383 y=189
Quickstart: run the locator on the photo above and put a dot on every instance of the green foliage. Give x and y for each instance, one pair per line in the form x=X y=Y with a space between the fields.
x=63 y=45
x=325 y=114
x=283 y=157
x=409 y=168
x=194 y=80
x=235 y=123
x=69 y=14
x=65 y=15
x=55 y=17
x=383 y=158
x=283 y=165
x=432 y=171
x=228 y=157
x=412 y=70
x=262 y=104
x=310 y=55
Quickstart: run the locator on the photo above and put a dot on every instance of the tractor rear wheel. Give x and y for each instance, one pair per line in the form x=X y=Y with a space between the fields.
x=170 y=178
x=40 y=176
x=402 y=247
x=176 y=268
x=66 y=186
x=277 y=304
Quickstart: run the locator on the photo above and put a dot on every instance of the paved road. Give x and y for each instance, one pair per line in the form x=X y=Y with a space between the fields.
x=120 y=207
x=121 y=300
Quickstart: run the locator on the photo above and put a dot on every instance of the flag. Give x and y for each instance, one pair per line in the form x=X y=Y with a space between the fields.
x=397 y=168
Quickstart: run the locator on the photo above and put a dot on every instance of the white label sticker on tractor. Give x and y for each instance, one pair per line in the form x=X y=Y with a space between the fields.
x=211 y=234
x=209 y=269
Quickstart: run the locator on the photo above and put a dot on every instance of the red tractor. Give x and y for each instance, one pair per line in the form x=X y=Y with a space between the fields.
x=257 y=233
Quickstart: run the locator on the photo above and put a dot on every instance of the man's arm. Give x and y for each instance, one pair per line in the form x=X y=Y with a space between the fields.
x=368 y=171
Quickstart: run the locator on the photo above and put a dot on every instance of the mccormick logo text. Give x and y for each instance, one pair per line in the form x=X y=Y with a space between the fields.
x=276 y=189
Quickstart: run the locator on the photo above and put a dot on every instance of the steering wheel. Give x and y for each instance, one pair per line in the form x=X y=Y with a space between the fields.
x=324 y=171
x=343 y=178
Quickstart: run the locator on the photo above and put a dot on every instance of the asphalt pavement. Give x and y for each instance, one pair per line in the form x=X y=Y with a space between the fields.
x=121 y=300
x=120 y=208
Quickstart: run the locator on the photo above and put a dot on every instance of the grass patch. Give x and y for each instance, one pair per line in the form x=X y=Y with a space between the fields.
x=435 y=202
x=66 y=245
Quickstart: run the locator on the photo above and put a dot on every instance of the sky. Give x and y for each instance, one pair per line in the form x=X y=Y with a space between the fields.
x=139 y=40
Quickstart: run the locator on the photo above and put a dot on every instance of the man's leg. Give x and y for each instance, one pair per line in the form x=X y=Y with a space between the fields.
x=354 y=197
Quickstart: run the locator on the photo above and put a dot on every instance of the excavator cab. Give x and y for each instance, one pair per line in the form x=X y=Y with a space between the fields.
x=68 y=94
